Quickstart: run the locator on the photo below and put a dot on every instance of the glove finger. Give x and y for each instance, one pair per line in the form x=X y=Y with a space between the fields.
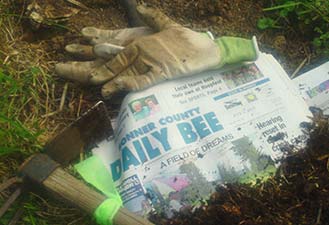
x=137 y=68
x=117 y=37
x=155 y=19
x=126 y=82
x=128 y=35
x=94 y=34
x=118 y=64
x=107 y=50
x=77 y=71
x=84 y=52
x=111 y=88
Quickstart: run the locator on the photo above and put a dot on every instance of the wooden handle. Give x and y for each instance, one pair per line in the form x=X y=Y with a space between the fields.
x=83 y=196
x=73 y=190
x=41 y=169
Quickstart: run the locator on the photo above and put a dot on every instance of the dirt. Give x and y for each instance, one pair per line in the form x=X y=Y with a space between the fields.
x=54 y=34
x=297 y=194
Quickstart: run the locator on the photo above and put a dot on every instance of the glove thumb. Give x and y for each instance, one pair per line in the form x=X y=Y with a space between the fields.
x=155 y=19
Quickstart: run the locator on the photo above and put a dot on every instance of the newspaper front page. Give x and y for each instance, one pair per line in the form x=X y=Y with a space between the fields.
x=176 y=141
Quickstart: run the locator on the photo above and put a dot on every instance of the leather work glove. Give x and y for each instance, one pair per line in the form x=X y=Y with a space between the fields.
x=172 y=52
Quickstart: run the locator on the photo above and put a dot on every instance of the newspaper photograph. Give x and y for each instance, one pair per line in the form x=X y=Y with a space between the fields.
x=176 y=141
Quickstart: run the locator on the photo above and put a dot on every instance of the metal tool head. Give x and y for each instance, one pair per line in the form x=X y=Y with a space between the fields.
x=82 y=135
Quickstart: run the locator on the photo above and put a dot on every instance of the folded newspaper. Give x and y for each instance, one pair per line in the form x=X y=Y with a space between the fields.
x=314 y=87
x=175 y=142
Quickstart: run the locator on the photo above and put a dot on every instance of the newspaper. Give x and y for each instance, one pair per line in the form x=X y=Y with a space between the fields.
x=176 y=141
x=314 y=87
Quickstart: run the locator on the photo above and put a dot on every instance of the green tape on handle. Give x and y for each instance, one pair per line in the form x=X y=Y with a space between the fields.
x=94 y=172
x=105 y=213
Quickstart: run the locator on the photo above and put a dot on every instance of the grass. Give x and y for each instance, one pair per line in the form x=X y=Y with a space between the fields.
x=20 y=99
x=19 y=130
x=26 y=98
x=22 y=92
x=30 y=100
x=310 y=17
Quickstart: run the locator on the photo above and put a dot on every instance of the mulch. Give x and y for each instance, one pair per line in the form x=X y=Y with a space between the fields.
x=297 y=194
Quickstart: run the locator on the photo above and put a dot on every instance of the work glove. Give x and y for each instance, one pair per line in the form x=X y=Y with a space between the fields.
x=173 y=51
x=103 y=45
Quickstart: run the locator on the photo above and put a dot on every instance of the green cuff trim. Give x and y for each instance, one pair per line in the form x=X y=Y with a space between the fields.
x=234 y=50
x=94 y=172
x=106 y=211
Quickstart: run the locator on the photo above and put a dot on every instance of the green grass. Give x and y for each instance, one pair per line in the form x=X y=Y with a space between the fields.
x=23 y=100
x=19 y=99
x=310 y=17
x=19 y=126
x=27 y=97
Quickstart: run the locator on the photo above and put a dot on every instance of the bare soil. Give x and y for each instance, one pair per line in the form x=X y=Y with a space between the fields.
x=297 y=194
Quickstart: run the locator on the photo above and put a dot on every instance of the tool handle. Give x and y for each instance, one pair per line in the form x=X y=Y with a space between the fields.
x=41 y=169
x=75 y=191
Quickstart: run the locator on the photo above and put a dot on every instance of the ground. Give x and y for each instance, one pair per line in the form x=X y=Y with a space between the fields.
x=35 y=104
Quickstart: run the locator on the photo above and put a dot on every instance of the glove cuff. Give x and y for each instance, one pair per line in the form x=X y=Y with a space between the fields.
x=234 y=50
